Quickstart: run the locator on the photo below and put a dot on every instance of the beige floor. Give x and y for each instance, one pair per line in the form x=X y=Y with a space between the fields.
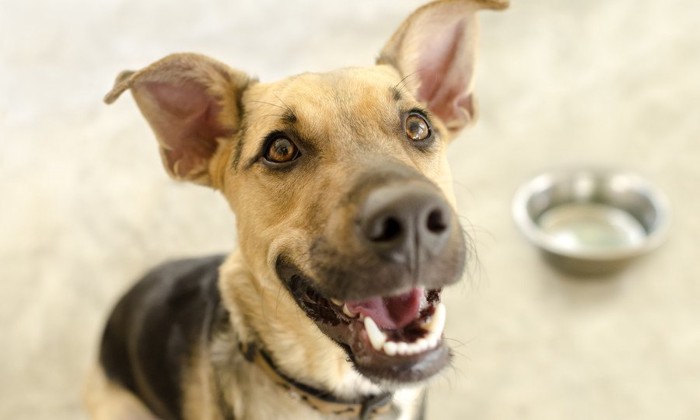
x=85 y=206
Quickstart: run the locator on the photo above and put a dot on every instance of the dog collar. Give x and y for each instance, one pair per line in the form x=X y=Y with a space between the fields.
x=363 y=409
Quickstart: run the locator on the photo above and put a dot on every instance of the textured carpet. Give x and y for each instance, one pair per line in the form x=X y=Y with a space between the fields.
x=85 y=205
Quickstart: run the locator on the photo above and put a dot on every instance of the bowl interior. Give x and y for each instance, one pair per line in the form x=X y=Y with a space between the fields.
x=591 y=214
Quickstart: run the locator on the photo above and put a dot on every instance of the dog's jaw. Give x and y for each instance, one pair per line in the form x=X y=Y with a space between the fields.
x=389 y=345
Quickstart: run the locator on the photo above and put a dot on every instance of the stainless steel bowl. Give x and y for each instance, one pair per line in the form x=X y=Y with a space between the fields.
x=591 y=221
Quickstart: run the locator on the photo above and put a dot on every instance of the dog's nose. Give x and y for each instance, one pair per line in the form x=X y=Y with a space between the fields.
x=406 y=223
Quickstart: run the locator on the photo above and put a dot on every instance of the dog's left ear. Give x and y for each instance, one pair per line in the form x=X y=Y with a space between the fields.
x=435 y=51
x=191 y=102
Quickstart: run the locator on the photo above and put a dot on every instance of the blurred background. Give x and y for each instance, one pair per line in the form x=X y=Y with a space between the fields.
x=85 y=206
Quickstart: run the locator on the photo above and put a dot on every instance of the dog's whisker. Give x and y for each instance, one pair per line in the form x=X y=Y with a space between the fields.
x=276 y=116
x=270 y=104
x=401 y=85
x=455 y=343
x=278 y=299
x=289 y=109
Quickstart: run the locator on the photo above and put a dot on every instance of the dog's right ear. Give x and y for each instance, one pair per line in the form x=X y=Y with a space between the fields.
x=191 y=102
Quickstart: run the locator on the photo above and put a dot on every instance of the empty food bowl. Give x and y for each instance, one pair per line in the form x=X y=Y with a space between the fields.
x=591 y=221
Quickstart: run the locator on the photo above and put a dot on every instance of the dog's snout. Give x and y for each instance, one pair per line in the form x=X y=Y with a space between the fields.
x=406 y=223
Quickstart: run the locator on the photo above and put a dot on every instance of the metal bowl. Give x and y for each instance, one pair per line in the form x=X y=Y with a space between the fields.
x=591 y=221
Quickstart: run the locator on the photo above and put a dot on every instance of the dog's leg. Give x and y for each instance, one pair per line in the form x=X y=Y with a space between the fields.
x=106 y=400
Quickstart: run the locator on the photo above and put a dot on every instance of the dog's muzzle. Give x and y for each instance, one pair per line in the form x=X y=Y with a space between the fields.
x=377 y=274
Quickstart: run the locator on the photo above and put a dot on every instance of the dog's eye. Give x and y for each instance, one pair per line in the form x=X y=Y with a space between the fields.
x=417 y=129
x=281 y=150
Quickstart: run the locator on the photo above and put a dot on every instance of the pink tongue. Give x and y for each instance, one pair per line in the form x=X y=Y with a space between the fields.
x=390 y=313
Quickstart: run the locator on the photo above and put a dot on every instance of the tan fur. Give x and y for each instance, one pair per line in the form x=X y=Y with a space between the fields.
x=105 y=400
x=199 y=387
x=260 y=296
x=352 y=110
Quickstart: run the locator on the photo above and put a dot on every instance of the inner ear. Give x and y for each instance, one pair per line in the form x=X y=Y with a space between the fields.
x=189 y=121
x=191 y=103
x=445 y=74
x=435 y=51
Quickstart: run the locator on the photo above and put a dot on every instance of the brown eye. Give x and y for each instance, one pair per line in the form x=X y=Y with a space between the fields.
x=281 y=150
x=417 y=128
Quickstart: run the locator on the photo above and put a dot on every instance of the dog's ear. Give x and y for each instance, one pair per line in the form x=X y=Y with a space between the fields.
x=191 y=102
x=435 y=51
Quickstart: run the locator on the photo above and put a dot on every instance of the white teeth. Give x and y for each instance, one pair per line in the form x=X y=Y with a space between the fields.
x=390 y=348
x=347 y=312
x=337 y=302
x=407 y=349
x=436 y=325
x=434 y=328
x=376 y=336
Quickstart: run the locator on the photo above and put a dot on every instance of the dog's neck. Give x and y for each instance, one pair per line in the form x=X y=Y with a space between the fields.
x=320 y=400
x=290 y=339
x=291 y=357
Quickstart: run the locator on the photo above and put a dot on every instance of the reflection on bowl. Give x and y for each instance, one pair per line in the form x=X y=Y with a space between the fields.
x=591 y=221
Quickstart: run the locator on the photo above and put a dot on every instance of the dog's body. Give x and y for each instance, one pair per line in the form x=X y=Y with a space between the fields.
x=331 y=306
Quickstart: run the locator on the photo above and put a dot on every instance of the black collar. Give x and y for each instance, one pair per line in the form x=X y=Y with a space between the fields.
x=321 y=401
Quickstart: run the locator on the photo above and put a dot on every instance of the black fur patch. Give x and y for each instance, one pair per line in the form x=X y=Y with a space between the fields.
x=154 y=328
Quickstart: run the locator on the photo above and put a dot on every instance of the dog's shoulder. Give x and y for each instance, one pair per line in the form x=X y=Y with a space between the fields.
x=153 y=329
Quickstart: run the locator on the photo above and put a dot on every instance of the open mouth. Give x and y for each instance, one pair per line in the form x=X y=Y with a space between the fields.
x=394 y=338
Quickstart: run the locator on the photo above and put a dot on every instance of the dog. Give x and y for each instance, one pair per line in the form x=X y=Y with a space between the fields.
x=330 y=307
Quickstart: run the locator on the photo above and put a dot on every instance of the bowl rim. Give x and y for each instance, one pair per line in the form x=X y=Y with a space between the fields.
x=539 y=238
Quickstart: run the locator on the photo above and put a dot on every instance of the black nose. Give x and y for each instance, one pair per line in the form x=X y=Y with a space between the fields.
x=406 y=223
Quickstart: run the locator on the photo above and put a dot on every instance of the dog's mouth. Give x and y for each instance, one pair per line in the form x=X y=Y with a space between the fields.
x=397 y=338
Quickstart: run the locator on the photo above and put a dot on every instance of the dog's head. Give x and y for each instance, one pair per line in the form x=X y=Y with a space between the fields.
x=339 y=180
